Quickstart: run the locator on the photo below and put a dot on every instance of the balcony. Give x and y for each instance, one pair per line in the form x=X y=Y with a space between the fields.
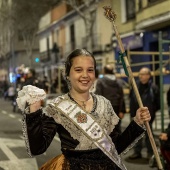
x=155 y=15
x=97 y=47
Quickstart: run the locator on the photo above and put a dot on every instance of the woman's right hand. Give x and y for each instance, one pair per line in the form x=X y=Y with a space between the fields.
x=35 y=106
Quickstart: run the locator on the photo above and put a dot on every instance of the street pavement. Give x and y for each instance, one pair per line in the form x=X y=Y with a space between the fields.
x=12 y=147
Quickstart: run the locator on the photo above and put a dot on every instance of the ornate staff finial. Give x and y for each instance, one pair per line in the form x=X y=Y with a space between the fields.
x=110 y=15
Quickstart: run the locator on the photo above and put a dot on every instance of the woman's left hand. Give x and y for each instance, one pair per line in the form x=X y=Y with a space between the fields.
x=163 y=136
x=142 y=115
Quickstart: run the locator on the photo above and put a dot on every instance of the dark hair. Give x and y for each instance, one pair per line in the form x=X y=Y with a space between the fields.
x=96 y=73
x=108 y=70
x=76 y=53
x=32 y=71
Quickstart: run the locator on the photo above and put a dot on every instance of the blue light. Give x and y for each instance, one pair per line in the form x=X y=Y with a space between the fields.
x=101 y=76
x=37 y=60
x=12 y=77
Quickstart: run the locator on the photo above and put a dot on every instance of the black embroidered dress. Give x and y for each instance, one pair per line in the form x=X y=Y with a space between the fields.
x=80 y=153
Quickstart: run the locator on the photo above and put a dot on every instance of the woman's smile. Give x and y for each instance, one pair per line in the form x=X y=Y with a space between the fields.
x=84 y=82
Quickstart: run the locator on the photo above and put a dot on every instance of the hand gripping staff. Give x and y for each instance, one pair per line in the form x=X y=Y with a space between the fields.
x=111 y=16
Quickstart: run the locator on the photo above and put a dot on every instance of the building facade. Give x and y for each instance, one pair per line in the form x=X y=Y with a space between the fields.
x=138 y=21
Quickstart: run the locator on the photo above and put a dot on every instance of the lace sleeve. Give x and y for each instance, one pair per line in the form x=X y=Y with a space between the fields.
x=38 y=131
x=107 y=117
x=112 y=117
x=131 y=135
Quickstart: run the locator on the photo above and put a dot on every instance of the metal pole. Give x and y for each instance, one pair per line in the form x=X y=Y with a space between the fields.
x=161 y=81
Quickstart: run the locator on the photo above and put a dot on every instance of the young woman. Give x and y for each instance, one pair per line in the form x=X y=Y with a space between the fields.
x=84 y=121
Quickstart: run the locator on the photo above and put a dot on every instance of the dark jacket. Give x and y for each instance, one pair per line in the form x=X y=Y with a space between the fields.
x=150 y=97
x=33 y=81
x=111 y=90
x=165 y=144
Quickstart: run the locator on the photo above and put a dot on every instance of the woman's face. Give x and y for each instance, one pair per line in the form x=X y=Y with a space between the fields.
x=82 y=74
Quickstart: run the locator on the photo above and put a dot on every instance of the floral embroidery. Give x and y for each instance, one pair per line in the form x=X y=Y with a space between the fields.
x=81 y=117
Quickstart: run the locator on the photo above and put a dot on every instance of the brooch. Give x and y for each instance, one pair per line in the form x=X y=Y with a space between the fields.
x=81 y=117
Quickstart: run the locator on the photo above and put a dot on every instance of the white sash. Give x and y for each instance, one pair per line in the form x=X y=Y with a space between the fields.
x=91 y=129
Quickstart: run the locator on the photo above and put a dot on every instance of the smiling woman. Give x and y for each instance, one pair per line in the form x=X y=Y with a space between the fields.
x=84 y=121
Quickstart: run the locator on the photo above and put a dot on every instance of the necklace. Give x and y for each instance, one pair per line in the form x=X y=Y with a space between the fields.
x=83 y=102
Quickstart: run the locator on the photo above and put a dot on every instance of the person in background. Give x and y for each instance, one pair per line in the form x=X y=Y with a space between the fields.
x=5 y=89
x=113 y=91
x=54 y=86
x=85 y=123
x=45 y=84
x=31 y=78
x=149 y=93
x=165 y=146
x=11 y=92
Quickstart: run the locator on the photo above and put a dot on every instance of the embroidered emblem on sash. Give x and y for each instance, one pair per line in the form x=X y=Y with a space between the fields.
x=95 y=130
x=81 y=117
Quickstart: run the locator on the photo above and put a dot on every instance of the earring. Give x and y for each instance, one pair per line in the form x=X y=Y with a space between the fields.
x=92 y=86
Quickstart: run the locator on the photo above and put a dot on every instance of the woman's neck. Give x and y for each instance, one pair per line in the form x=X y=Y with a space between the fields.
x=80 y=96
x=83 y=99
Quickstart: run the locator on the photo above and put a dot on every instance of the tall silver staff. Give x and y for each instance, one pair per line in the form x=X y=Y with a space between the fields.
x=111 y=16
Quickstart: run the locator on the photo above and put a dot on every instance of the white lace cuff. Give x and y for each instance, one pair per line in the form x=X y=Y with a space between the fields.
x=29 y=94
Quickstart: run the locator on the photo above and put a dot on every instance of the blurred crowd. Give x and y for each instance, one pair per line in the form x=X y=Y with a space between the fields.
x=9 y=90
